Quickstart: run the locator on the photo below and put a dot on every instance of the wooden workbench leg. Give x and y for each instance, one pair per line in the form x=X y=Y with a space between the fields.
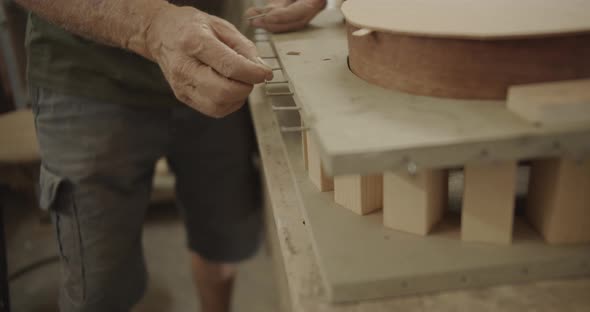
x=558 y=204
x=488 y=202
x=315 y=169
x=414 y=203
x=361 y=194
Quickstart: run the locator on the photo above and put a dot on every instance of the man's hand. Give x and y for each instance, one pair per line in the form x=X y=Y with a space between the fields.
x=208 y=63
x=285 y=15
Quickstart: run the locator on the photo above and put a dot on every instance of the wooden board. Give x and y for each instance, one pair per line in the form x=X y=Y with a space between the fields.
x=488 y=202
x=414 y=203
x=559 y=200
x=552 y=103
x=470 y=19
x=362 y=128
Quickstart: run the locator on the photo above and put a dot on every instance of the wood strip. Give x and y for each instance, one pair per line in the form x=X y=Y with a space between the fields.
x=488 y=202
x=552 y=103
x=414 y=203
x=315 y=168
x=558 y=204
x=360 y=194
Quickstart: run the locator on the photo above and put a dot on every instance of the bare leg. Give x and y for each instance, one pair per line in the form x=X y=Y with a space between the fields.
x=215 y=283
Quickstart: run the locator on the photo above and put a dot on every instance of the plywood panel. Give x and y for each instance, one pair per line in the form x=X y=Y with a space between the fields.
x=470 y=19
x=559 y=200
x=552 y=103
x=488 y=202
x=414 y=203
x=360 y=194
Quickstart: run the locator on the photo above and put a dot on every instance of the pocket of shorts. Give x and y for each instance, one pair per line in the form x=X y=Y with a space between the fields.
x=57 y=196
x=34 y=98
x=49 y=184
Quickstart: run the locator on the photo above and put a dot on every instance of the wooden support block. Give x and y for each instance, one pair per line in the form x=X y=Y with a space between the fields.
x=488 y=202
x=361 y=194
x=558 y=204
x=315 y=170
x=414 y=203
x=552 y=103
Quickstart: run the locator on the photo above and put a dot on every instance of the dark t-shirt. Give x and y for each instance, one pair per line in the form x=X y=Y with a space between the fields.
x=67 y=63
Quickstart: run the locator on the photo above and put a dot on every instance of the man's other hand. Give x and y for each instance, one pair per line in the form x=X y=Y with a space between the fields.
x=208 y=63
x=285 y=15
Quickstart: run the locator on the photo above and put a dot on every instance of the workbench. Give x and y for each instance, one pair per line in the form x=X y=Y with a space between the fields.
x=296 y=265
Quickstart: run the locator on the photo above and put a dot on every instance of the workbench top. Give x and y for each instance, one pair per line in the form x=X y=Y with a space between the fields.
x=295 y=261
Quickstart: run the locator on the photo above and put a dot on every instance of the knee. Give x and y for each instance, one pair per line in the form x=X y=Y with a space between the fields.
x=215 y=272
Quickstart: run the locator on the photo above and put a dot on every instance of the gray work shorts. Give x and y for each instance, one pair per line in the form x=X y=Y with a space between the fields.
x=96 y=175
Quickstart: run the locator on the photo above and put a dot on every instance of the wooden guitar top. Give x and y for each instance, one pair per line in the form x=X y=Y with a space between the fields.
x=471 y=19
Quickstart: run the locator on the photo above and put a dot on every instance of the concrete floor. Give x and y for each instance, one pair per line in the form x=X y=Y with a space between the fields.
x=170 y=288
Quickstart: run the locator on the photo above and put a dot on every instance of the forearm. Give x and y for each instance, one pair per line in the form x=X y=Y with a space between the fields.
x=120 y=23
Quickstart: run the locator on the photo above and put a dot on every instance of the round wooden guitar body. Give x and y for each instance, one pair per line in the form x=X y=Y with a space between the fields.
x=465 y=68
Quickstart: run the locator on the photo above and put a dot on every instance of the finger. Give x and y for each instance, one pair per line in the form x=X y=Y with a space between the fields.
x=254 y=11
x=299 y=10
x=217 y=94
x=227 y=33
x=228 y=62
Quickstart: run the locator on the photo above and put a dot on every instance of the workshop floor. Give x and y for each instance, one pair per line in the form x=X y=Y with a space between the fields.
x=170 y=288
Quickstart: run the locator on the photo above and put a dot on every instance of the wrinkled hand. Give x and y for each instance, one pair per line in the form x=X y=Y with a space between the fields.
x=285 y=15
x=210 y=66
